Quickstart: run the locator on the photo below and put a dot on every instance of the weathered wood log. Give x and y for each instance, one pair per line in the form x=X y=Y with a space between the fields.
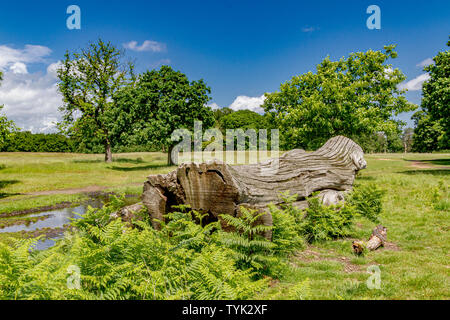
x=217 y=188
x=376 y=240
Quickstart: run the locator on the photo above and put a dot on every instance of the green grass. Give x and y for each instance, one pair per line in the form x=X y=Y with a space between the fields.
x=24 y=174
x=415 y=264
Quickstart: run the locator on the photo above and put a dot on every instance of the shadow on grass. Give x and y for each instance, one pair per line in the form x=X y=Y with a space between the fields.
x=119 y=160
x=141 y=168
x=438 y=162
x=87 y=161
x=433 y=172
x=366 y=178
x=5 y=183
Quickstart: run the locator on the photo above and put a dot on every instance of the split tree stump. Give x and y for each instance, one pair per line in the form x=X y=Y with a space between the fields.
x=217 y=188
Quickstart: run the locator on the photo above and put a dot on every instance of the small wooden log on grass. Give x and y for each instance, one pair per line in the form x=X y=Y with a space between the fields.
x=376 y=240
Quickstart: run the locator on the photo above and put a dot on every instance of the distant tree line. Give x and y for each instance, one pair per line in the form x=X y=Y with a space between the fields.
x=25 y=141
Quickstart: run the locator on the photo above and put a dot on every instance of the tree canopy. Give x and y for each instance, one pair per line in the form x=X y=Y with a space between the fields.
x=89 y=79
x=158 y=103
x=433 y=121
x=353 y=96
x=243 y=119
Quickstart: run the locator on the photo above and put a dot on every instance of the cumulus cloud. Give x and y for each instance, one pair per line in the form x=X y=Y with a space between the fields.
x=416 y=83
x=425 y=63
x=52 y=69
x=250 y=103
x=29 y=54
x=31 y=100
x=148 y=45
x=19 y=68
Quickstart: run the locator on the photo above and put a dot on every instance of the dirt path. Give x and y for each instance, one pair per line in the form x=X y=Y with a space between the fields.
x=67 y=191
x=423 y=165
x=87 y=189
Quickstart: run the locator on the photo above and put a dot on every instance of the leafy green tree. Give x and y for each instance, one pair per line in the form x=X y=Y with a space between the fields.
x=352 y=96
x=6 y=126
x=25 y=141
x=373 y=142
x=243 y=119
x=394 y=141
x=89 y=79
x=220 y=113
x=426 y=132
x=436 y=97
x=158 y=103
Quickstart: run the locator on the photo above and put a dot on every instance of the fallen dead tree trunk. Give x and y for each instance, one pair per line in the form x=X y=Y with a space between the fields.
x=376 y=240
x=217 y=188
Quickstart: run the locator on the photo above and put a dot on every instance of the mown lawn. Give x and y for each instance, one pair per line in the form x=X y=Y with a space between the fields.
x=414 y=265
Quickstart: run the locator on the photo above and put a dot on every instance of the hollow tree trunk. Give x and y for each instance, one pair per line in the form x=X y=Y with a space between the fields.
x=217 y=188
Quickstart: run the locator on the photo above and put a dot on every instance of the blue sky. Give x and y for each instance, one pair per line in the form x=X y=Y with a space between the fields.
x=242 y=49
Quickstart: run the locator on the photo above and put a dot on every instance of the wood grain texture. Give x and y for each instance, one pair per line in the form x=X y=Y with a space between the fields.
x=217 y=188
x=376 y=240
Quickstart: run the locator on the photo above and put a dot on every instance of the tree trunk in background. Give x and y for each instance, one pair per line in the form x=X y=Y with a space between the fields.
x=170 y=161
x=108 y=152
x=217 y=188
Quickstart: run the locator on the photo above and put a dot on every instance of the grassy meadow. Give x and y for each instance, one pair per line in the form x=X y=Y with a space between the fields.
x=414 y=264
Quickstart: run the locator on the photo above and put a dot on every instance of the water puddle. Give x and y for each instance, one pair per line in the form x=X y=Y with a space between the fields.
x=46 y=243
x=58 y=218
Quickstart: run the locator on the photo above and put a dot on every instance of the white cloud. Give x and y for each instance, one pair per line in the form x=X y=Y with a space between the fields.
x=416 y=83
x=308 y=29
x=52 y=69
x=31 y=100
x=250 y=103
x=214 y=106
x=425 y=63
x=30 y=54
x=148 y=45
x=161 y=62
x=19 y=68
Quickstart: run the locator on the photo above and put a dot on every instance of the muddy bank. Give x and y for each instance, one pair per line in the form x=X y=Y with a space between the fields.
x=51 y=221
x=47 y=233
x=21 y=221
x=57 y=206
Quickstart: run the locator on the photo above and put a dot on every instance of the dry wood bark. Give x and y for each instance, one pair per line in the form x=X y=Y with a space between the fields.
x=217 y=188
x=376 y=240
